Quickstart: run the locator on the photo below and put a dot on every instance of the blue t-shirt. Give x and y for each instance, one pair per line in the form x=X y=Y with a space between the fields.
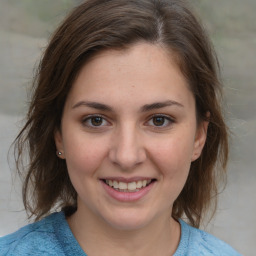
x=52 y=236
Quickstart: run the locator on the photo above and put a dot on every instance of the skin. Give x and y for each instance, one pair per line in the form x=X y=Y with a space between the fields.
x=127 y=143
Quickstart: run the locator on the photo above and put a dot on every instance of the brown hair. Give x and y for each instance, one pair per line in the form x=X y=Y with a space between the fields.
x=94 y=26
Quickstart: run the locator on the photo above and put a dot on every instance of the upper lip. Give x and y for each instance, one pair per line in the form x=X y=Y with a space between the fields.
x=127 y=180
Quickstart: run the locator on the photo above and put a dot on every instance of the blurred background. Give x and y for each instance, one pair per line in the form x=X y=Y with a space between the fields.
x=25 y=26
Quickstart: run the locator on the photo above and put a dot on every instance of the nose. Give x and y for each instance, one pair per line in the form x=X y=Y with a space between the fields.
x=127 y=149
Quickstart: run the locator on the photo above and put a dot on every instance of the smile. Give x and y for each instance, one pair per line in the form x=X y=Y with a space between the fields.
x=128 y=190
x=133 y=186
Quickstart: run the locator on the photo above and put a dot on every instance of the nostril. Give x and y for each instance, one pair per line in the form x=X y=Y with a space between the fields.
x=126 y=151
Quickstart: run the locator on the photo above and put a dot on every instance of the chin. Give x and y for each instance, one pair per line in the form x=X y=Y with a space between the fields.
x=128 y=221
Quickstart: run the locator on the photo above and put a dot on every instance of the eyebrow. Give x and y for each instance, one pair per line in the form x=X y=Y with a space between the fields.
x=158 y=105
x=145 y=108
x=91 y=104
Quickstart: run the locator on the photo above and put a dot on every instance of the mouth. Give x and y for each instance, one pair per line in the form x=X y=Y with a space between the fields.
x=128 y=187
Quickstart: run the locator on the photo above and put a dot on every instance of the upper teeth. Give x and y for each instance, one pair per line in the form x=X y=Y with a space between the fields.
x=128 y=186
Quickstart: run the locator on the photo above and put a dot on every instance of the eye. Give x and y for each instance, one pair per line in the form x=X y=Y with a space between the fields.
x=95 y=121
x=160 y=121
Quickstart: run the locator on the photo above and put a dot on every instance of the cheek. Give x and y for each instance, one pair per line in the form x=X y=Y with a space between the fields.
x=83 y=158
x=173 y=156
x=174 y=152
x=173 y=161
x=84 y=154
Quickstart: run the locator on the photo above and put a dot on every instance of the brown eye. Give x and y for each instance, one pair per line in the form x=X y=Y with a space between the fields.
x=159 y=120
x=96 y=121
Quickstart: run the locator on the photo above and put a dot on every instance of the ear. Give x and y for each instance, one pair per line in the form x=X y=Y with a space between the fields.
x=59 y=144
x=200 y=140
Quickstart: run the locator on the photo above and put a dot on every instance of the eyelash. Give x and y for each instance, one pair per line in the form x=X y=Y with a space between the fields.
x=87 y=121
x=166 y=118
x=90 y=118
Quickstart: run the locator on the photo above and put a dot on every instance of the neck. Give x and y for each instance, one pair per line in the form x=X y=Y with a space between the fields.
x=161 y=237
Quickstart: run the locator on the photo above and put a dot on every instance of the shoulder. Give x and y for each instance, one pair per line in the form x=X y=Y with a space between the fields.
x=39 y=236
x=197 y=242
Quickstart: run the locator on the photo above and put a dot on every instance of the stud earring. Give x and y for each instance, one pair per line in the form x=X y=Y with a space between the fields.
x=59 y=153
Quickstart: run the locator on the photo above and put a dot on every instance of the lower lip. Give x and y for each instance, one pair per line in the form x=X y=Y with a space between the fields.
x=127 y=196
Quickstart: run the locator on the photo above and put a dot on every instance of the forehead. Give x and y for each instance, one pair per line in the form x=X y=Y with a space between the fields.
x=144 y=71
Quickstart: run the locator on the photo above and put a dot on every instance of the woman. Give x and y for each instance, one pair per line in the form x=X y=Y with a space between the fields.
x=124 y=134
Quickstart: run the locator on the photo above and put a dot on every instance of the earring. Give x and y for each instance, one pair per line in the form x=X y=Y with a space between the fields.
x=59 y=153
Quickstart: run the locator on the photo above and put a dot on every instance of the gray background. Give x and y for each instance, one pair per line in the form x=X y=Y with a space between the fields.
x=25 y=26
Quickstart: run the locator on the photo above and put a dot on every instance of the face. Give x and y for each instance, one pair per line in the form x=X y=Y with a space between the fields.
x=128 y=135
